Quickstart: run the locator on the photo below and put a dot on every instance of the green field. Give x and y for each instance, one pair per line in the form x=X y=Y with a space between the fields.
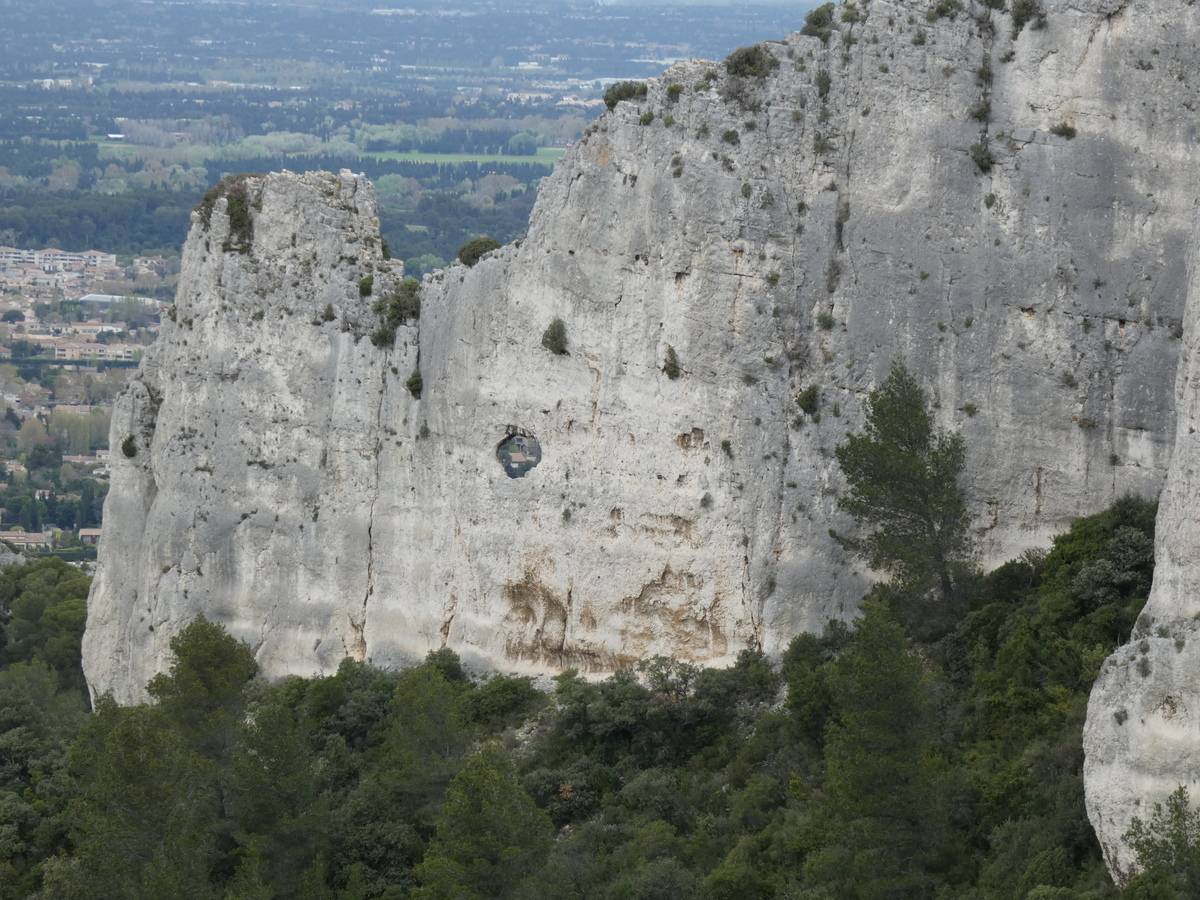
x=546 y=156
x=193 y=155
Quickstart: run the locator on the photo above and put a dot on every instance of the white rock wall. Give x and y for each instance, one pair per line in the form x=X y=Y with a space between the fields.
x=1041 y=302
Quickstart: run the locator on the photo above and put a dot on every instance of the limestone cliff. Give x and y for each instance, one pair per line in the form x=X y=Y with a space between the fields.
x=1142 y=738
x=1008 y=214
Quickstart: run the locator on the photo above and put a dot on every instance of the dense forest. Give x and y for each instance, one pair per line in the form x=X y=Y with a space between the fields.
x=932 y=749
x=152 y=220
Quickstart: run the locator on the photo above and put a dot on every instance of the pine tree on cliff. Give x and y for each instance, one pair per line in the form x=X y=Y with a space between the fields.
x=904 y=494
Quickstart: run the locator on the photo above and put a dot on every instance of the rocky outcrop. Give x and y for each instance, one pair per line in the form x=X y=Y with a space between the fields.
x=1009 y=215
x=1142 y=738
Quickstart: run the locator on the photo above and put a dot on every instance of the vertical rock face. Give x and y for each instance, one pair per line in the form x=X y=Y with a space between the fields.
x=1142 y=738
x=246 y=448
x=778 y=233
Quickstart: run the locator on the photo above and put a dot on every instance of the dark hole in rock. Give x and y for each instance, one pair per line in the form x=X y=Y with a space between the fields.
x=518 y=453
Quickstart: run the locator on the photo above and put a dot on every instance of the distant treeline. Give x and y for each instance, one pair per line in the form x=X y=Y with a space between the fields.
x=78 y=112
x=438 y=176
x=33 y=159
x=444 y=222
x=133 y=222
x=141 y=220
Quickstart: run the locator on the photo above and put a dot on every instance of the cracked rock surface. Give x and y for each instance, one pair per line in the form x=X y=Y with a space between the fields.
x=799 y=230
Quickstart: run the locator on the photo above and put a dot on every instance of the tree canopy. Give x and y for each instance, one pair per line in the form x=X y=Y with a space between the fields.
x=873 y=760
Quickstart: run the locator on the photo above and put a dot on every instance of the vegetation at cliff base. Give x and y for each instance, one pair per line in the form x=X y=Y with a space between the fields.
x=909 y=754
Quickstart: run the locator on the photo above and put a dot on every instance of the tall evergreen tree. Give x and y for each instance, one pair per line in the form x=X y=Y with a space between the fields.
x=202 y=693
x=904 y=493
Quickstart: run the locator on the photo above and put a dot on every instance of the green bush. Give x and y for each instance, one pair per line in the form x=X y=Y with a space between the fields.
x=825 y=320
x=1064 y=130
x=671 y=364
x=946 y=9
x=1024 y=12
x=624 y=90
x=647 y=117
x=414 y=384
x=554 y=338
x=819 y=22
x=327 y=314
x=981 y=154
x=475 y=249
x=751 y=62
x=730 y=136
x=129 y=446
x=809 y=399
x=674 y=92
x=823 y=81
x=237 y=208
x=396 y=309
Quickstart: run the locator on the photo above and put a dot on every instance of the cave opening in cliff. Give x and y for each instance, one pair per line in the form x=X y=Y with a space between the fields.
x=518 y=453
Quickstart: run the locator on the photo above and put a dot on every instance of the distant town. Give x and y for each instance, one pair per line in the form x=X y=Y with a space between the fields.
x=71 y=324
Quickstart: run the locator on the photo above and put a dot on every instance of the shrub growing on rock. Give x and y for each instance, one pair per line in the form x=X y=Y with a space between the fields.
x=823 y=82
x=554 y=338
x=751 y=62
x=237 y=208
x=624 y=90
x=1024 y=12
x=819 y=22
x=981 y=154
x=475 y=249
x=671 y=364
x=809 y=399
x=396 y=309
x=414 y=384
